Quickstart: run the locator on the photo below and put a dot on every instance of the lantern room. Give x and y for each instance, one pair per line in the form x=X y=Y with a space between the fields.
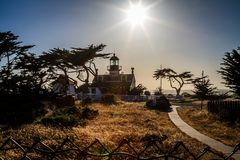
x=114 y=67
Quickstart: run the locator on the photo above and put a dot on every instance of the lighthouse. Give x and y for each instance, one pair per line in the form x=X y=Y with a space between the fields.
x=114 y=67
x=115 y=81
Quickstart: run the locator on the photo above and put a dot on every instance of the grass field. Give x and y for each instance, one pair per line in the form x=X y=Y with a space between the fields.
x=210 y=124
x=126 y=120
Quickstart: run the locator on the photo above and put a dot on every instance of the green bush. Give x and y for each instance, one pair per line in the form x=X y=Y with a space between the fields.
x=150 y=103
x=65 y=101
x=109 y=99
x=68 y=116
x=60 y=120
x=88 y=113
x=86 y=101
x=161 y=103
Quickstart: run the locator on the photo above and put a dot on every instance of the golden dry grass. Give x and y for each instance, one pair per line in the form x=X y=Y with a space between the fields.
x=126 y=120
x=210 y=124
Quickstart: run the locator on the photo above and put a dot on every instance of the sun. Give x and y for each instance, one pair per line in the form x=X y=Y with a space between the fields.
x=136 y=14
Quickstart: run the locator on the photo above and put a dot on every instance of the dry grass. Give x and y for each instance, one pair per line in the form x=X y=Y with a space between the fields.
x=210 y=125
x=115 y=122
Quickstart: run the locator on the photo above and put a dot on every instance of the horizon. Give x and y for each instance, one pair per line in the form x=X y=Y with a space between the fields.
x=182 y=35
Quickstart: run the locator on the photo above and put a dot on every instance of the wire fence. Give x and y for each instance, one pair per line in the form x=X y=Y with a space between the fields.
x=68 y=149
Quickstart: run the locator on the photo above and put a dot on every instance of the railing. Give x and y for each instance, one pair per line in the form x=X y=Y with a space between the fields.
x=229 y=110
x=144 y=98
x=68 y=149
x=135 y=98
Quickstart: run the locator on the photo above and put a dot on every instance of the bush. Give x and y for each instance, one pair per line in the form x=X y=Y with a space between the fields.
x=109 y=99
x=60 y=120
x=68 y=117
x=65 y=101
x=150 y=103
x=88 y=113
x=161 y=103
x=86 y=101
x=19 y=111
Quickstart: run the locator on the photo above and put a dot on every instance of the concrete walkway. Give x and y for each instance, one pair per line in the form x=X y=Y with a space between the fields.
x=184 y=127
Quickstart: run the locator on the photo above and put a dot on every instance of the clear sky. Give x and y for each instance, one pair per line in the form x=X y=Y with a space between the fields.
x=185 y=35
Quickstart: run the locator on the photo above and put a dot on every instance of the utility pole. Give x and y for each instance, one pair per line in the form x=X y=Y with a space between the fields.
x=202 y=85
x=161 y=81
x=203 y=76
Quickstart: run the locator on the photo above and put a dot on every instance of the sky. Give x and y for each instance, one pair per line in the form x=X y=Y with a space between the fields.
x=185 y=35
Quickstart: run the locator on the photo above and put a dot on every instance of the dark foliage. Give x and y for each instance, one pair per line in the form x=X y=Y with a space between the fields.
x=230 y=70
x=27 y=74
x=203 y=88
x=60 y=120
x=161 y=103
x=20 y=110
x=176 y=80
x=22 y=73
x=83 y=88
x=150 y=103
x=65 y=101
x=25 y=78
x=138 y=90
x=88 y=113
x=76 y=60
x=86 y=101
x=147 y=93
x=158 y=92
x=69 y=117
x=9 y=45
x=109 y=99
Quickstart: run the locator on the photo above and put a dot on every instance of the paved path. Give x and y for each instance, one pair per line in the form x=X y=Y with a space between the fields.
x=184 y=127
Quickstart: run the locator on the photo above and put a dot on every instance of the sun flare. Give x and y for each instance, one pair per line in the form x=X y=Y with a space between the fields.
x=136 y=14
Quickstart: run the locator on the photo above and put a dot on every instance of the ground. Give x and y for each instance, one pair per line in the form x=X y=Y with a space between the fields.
x=132 y=121
x=210 y=124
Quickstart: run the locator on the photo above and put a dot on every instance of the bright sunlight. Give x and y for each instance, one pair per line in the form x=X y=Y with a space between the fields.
x=136 y=14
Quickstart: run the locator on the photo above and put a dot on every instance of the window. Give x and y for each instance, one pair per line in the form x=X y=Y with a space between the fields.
x=124 y=78
x=93 y=90
x=100 y=78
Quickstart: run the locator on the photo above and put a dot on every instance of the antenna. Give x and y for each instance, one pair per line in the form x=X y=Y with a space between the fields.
x=203 y=80
x=161 y=80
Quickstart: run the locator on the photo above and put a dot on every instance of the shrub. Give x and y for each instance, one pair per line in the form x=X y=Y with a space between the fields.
x=60 y=120
x=150 y=103
x=86 y=101
x=65 y=101
x=20 y=110
x=161 y=103
x=109 y=99
x=88 y=113
x=68 y=117
x=147 y=93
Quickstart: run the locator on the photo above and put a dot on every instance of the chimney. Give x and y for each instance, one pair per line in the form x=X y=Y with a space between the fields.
x=132 y=70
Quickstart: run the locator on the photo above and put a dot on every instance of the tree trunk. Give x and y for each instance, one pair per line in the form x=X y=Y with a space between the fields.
x=8 y=71
x=178 y=92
